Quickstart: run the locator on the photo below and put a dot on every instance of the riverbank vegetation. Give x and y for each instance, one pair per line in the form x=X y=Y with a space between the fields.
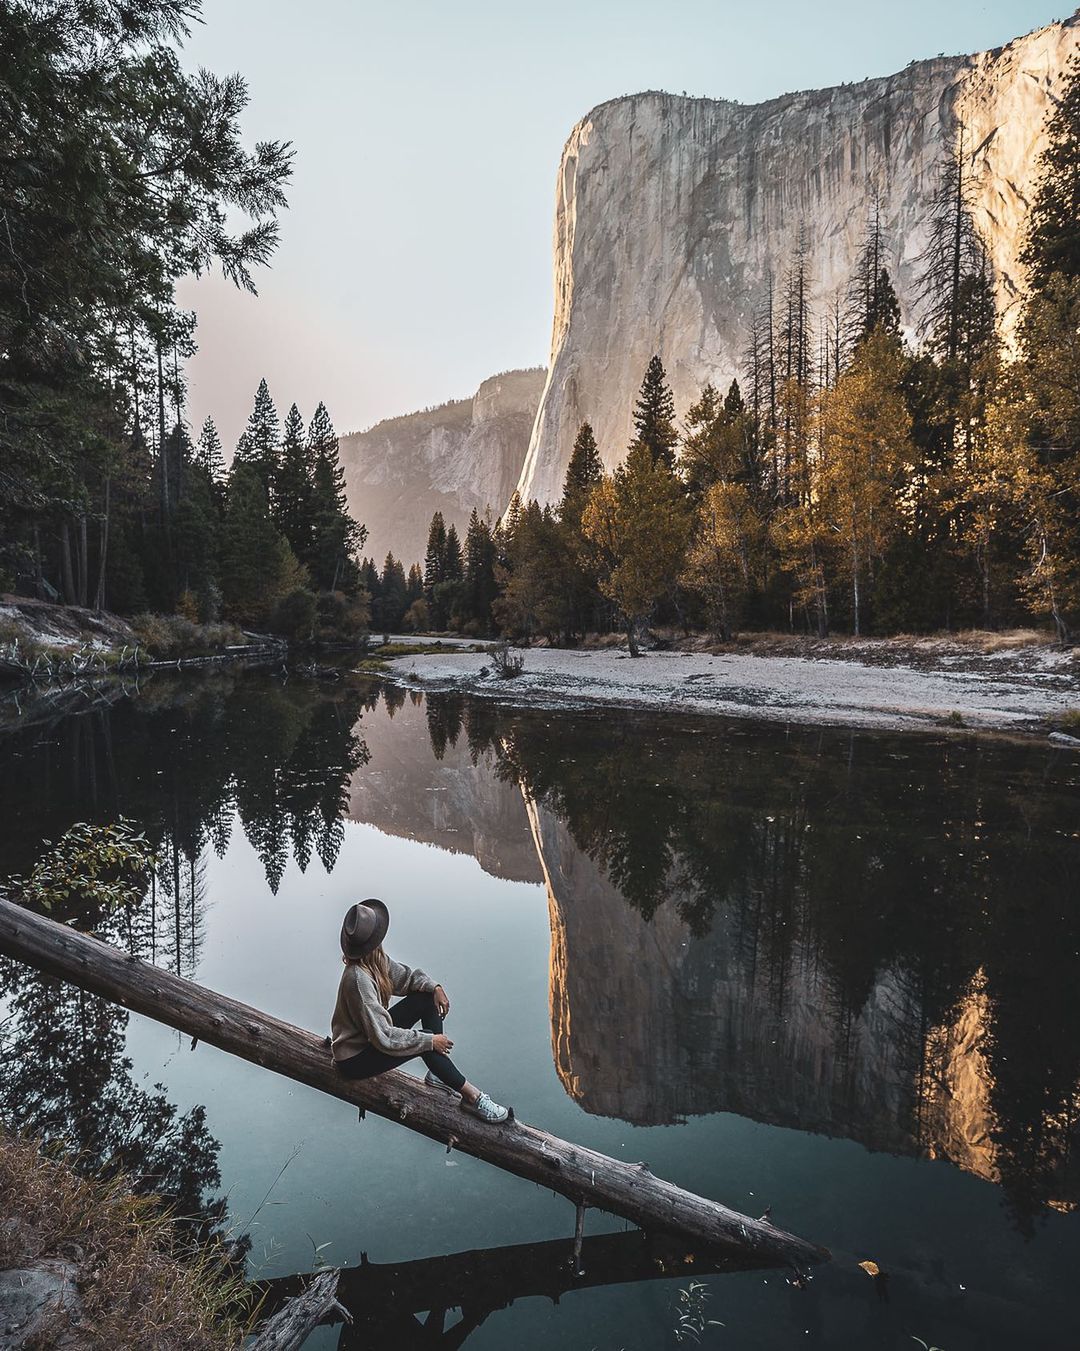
x=128 y=1275
x=859 y=477
x=120 y=174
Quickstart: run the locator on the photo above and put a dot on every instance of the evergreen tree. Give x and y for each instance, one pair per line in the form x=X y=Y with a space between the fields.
x=435 y=557
x=1052 y=244
x=257 y=566
x=479 y=562
x=414 y=587
x=197 y=535
x=393 y=595
x=259 y=443
x=654 y=415
x=294 y=487
x=336 y=537
x=453 y=566
x=435 y=570
x=208 y=452
x=371 y=582
x=871 y=299
x=583 y=473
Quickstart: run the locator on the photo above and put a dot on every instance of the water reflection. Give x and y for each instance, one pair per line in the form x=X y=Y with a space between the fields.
x=185 y=760
x=864 y=936
x=411 y=1304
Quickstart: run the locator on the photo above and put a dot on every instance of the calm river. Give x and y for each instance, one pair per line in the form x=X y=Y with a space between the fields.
x=834 y=974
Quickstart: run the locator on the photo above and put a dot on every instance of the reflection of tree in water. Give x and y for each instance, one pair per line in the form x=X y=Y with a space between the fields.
x=182 y=761
x=944 y=865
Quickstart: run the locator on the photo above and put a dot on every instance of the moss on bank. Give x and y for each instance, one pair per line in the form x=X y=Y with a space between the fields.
x=140 y=1283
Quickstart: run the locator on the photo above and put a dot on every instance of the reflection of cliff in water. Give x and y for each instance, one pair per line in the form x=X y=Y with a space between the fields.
x=454 y=801
x=861 y=936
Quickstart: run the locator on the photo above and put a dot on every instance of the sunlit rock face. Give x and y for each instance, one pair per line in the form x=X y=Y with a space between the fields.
x=670 y=213
x=452 y=803
x=462 y=455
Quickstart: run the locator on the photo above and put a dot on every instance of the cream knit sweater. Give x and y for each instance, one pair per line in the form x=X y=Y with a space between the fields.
x=361 y=1019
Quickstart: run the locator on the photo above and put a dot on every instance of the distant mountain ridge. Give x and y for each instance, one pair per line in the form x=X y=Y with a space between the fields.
x=463 y=454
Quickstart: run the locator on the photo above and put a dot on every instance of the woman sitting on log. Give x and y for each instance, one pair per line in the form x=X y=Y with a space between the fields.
x=371 y=1036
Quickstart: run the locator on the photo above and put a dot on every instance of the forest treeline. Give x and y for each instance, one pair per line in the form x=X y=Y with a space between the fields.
x=120 y=173
x=851 y=479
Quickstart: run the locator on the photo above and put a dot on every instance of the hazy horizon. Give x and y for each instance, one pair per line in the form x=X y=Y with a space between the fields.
x=415 y=258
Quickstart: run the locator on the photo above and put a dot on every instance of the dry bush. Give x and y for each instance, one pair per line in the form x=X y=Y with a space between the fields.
x=167 y=637
x=1009 y=641
x=138 y=1293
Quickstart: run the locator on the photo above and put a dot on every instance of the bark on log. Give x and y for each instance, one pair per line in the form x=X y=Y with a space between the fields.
x=294 y=1322
x=583 y=1175
x=492 y=1278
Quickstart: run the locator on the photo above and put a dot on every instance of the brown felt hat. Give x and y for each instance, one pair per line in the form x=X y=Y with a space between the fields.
x=364 y=928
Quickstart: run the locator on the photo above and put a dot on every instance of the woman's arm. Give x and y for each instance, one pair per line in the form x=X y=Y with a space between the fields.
x=409 y=979
x=374 y=1019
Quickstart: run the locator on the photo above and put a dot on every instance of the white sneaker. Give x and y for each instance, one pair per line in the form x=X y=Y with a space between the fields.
x=433 y=1081
x=485 y=1109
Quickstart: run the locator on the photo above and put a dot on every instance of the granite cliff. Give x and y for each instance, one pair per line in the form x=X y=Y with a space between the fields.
x=464 y=454
x=670 y=213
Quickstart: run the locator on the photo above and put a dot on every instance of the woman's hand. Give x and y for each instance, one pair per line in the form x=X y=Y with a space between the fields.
x=442 y=1004
x=442 y=1044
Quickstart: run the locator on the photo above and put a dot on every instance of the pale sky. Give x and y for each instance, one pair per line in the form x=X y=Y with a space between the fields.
x=415 y=258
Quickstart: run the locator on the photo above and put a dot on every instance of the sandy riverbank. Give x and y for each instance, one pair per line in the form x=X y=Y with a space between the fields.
x=867 y=687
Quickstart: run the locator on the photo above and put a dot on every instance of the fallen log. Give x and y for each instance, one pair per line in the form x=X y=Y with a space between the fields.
x=585 y=1176
x=297 y=1317
x=492 y=1278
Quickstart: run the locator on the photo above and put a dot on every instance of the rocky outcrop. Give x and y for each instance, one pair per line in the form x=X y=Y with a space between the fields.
x=451 y=459
x=671 y=212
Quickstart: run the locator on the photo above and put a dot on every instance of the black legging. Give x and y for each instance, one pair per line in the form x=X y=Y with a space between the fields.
x=414 y=1008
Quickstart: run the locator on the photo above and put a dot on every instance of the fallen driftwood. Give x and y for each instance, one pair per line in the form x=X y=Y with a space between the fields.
x=487 y=1279
x=298 y=1317
x=588 y=1178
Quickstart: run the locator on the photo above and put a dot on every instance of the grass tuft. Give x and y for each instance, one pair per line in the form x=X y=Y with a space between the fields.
x=141 y=1284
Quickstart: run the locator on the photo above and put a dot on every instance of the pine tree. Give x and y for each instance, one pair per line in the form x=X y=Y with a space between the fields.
x=292 y=499
x=393 y=595
x=583 y=473
x=871 y=299
x=257 y=566
x=415 y=584
x=435 y=557
x=259 y=443
x=337 y=537
x=197 y=533
x=453 y=566
x=1052 y=244
x=654 y=415
x=208 y=452
x=479 y=562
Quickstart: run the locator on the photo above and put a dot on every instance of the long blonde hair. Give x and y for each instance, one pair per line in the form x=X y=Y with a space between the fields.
x=377 y=965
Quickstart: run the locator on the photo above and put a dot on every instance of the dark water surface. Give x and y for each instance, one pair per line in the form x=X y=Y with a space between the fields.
x=831 y=973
